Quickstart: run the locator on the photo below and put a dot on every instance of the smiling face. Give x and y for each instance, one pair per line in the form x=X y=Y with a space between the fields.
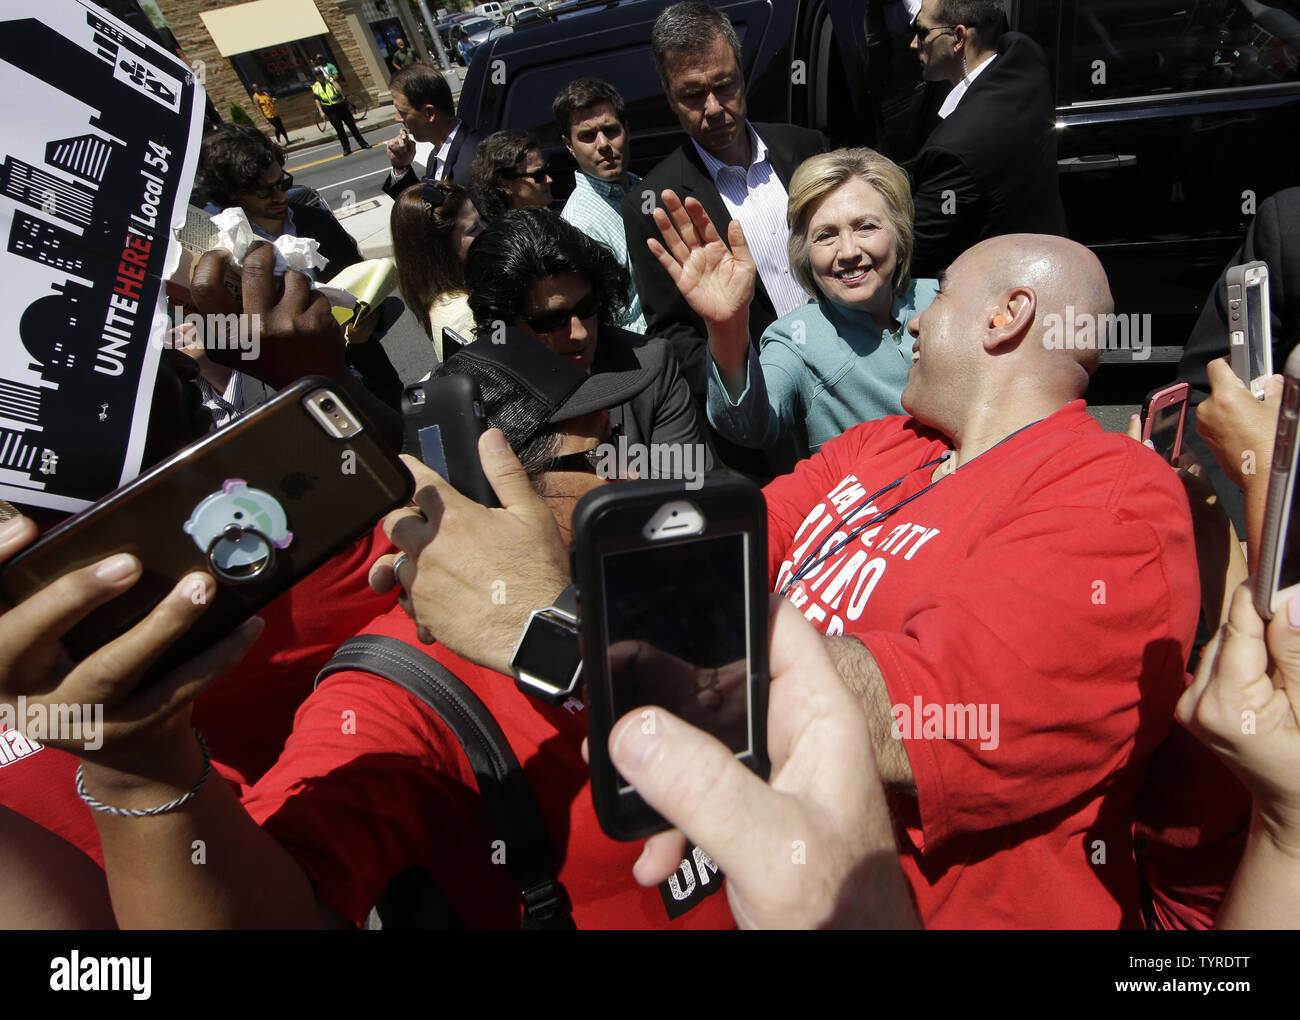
x=574 y=338
x=523 y=192
x=598 y=141
x=853 y=248
x=707 y=93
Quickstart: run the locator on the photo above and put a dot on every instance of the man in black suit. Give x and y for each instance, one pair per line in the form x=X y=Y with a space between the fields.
x=989 y=166
x=1270 y=239
x=698 y=57
x=422 y=99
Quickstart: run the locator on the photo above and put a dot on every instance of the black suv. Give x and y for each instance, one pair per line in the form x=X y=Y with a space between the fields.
x=1175 y=118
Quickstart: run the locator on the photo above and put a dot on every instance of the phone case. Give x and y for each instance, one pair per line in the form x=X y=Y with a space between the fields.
x=609 y=520
x=1278 y=509
x=301 y=493
x=1239 y=298
x=453 y=404
x=1177 y=393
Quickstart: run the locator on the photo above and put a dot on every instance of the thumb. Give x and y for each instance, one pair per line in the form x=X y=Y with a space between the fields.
x=1284 y=647
x=736 y=239
x=695 y=782
x=506 y=475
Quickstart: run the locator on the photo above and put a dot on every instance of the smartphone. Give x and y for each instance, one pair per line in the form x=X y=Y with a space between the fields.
x=452 y=342
x=1278 y=578
x=1250 y=336
x=1162 y=420
x=443 y=418
x=673 y=602
x=259 y=505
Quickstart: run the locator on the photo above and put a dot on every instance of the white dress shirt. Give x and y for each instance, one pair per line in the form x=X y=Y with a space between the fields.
x=755 y=196
x=959 y=90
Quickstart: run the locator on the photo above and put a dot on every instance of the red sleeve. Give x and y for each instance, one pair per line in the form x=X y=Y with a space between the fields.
x=1068 y=625
x=349 y=797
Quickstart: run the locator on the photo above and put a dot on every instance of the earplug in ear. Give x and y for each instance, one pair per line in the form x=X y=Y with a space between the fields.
x=999 y=320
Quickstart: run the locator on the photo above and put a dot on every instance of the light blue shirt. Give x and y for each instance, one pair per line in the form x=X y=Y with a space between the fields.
x=595 y=208
x=822 y=365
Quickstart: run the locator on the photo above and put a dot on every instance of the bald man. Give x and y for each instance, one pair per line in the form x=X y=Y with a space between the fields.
x=1010 y=591
x=1017 y=592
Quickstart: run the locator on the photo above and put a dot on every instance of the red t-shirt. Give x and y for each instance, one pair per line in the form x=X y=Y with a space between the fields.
x=372 y=783
x=1038 y=606
x=245 y=716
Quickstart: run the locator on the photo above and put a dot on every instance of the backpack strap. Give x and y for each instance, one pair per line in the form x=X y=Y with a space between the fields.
x=506 y=795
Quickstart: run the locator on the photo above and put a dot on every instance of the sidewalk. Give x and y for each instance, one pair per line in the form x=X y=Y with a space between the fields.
x=305 y=137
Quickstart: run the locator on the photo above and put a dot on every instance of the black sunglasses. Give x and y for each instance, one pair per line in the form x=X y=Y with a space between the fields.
x=265 y=190
x=538 y=176
x=920 y=31
x=550 y=321
x=587 y=461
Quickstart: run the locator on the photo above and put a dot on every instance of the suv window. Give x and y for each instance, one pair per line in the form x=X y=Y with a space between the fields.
x=1124 y=48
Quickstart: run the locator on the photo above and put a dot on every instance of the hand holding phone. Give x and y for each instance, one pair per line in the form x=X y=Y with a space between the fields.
x=108 y=677
x=443 y=420
x=673 y=593
x=1278 y=578
x=1250 y=338
x=1163 y=418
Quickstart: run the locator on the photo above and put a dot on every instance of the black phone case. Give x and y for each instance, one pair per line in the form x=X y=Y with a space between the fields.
x=610 y=519
x=452 y=403
x=330 y=491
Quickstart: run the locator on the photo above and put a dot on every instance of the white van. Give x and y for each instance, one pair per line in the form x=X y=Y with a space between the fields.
x=492 y=10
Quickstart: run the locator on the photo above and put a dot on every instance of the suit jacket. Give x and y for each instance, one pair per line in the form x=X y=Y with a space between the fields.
x=666 y=312
x=661 y=413
x=1269 y=239
x=461 y=156
x=996 y=155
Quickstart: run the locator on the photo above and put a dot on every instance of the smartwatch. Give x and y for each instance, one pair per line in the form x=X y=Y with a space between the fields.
x=547 y=661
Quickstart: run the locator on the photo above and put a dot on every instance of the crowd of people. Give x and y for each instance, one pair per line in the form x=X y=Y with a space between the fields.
x=950 y=535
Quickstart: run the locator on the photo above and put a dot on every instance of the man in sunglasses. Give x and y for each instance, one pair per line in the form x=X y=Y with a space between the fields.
x=989 y=166
x=240 y=166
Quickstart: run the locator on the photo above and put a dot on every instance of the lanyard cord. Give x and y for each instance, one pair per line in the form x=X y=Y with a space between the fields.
x=807 y=566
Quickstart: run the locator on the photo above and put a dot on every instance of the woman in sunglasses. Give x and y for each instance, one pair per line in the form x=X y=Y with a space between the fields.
x=433 y=226
x=532 y=270
x=240 y=166
x=509 y=172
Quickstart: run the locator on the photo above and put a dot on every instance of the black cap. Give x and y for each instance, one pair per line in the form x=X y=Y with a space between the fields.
x=526 y=387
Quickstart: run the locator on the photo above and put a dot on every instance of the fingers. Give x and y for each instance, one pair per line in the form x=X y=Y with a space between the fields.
x=1235 y=659
x=102 y=677
x=1222 y=377
x=381 y=577
x=1283 y=637
x=409 y=530
x=182 y=685
x=259 y=282
x=739 y=247
x=49 y=614
x=1135 y=427
x=207 y=284
x=686 y=229
x=671 y=266
x=662 y=856
x=15 y=534
x=433 y=493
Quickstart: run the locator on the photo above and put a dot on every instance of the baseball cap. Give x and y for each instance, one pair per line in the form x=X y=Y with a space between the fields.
x=526 y=387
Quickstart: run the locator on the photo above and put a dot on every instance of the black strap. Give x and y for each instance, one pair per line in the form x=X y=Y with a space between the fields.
x=506 y=795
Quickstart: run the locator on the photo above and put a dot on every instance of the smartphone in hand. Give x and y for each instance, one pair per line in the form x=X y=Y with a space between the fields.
x=443 y=419
x=259 y=505
x=1278 y=578
x=1163 y=418
x=1250 y=338
x=673 y=602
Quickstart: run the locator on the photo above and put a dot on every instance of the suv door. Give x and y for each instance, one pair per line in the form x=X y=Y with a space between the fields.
x=1176 y=117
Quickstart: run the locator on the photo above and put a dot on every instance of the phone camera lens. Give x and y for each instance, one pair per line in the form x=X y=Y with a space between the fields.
x=327 y=405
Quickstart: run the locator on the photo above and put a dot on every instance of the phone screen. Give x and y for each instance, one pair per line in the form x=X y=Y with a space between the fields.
x=1164 y=429
x=677 y=633
x=1256 y=335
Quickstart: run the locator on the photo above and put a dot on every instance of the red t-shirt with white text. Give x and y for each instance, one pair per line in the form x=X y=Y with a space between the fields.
x=1031 y=615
